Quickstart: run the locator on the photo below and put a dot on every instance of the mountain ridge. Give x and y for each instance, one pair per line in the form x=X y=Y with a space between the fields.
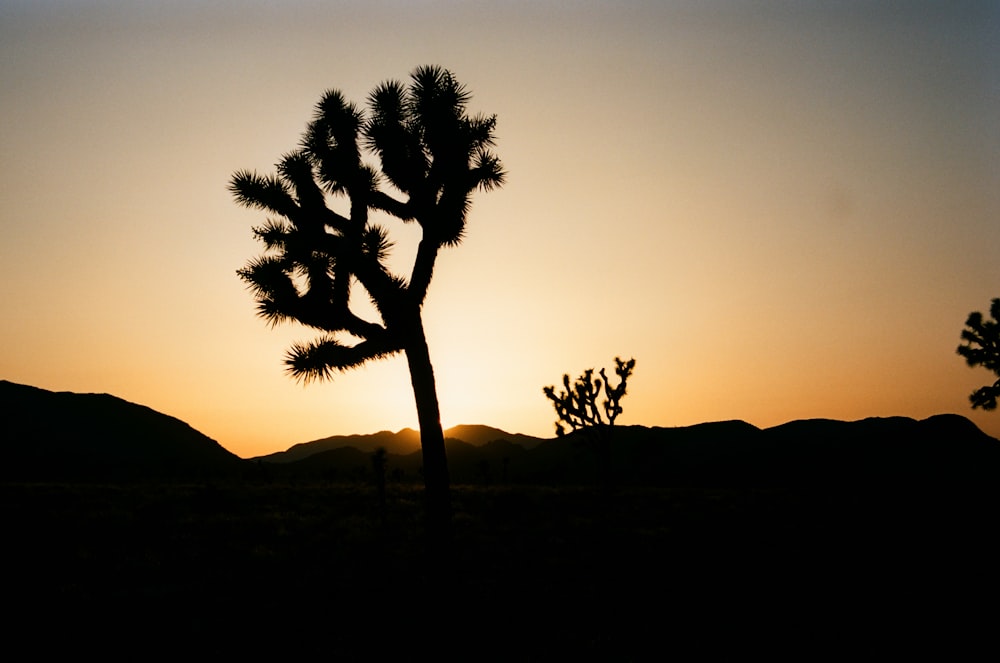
x=65 y=435
x=403 y=442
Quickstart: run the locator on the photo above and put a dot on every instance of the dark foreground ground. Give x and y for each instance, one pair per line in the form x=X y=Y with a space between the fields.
x=534 y=574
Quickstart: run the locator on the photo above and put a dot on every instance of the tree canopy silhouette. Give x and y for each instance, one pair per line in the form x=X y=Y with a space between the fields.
x=981 y=347
x=435 y=156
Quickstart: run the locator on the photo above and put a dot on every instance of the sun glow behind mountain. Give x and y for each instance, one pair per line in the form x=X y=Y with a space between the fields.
x=782 y=212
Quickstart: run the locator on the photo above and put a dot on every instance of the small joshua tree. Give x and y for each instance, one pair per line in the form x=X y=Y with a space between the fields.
x=578 y=405
x=985 y=335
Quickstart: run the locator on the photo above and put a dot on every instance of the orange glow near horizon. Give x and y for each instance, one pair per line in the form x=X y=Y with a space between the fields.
x=781 y=214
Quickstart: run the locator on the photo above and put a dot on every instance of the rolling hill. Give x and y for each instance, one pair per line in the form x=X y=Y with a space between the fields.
x=68 y=436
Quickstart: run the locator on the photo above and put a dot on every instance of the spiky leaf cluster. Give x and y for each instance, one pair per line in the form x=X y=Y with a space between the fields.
x=981 y=347
x=579 y=406
x=429 y=149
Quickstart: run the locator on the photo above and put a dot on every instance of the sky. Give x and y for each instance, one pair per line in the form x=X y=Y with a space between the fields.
x=781 y=210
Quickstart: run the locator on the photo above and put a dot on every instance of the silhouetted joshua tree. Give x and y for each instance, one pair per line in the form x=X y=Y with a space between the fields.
x=434 y=156
x=985 y=335
x=578 y=406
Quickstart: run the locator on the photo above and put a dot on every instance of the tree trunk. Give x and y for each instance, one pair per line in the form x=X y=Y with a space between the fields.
x=437 y=489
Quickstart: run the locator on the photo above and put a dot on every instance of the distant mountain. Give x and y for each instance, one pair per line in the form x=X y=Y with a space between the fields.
x=944 y=449
x=940 y=449
x=485 y=464
x=67 y=436
x=478 y=436
x=404 y=442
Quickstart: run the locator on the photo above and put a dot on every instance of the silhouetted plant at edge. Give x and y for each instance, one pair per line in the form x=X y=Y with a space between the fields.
x=985 y=335
x=434 y=156
x=578 y=405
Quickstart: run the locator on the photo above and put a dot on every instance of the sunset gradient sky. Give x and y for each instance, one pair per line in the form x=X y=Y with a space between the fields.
x=782 y=210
